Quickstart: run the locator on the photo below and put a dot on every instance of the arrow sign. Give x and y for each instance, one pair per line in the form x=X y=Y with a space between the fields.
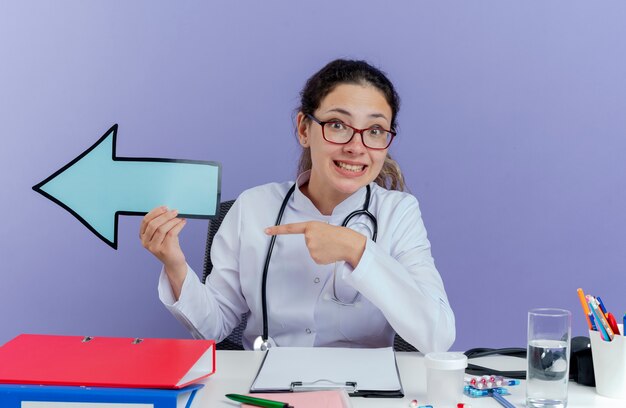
x=97 y=186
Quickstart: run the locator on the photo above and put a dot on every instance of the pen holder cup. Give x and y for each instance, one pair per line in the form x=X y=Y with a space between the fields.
x=444 y=378
x=609 y=364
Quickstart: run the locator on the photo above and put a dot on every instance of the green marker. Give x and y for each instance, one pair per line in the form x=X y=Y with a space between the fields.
x=258 y=402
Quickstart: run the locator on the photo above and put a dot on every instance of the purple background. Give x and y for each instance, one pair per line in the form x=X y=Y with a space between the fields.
x=512 y=136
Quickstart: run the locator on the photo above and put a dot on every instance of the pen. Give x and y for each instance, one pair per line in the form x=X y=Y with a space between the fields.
x=503 y=401
x=583 y=302
x=601 y=304
x=603 y=325
x=601 y=329
x=593 y=324
x=612 y=322
x=258 y=402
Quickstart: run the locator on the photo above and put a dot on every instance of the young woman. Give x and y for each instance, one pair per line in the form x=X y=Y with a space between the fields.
x=326 y=284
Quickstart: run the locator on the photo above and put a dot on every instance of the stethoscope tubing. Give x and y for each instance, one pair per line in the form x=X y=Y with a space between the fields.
x=364 y=211
x=266 y=267
x=265 y=339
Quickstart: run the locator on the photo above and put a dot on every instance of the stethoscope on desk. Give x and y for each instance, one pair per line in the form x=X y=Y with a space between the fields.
x=264 y=341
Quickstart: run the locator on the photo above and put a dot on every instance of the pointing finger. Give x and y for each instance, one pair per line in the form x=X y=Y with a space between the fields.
x=295 y=228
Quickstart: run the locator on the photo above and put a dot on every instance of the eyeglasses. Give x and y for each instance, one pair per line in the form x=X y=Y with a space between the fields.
x=337 y=132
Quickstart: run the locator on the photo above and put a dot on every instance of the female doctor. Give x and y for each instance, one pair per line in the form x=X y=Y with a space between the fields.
x=326 y=284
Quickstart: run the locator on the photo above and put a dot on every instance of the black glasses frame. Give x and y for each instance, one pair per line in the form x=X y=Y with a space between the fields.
x=354 y=131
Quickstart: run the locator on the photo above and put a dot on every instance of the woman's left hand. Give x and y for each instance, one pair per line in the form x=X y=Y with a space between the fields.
x=326 y=243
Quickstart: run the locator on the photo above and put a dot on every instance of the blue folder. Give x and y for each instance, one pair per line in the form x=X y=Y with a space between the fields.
x=13 y=395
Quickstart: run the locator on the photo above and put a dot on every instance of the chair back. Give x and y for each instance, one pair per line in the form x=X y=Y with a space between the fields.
x=399 y=344
x=233 y=341
x=214 y=225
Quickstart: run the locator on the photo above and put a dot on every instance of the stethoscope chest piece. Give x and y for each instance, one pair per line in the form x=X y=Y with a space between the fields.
x=263 y=345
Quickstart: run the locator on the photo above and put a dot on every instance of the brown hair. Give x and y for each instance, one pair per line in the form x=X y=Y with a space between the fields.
x=352 y=72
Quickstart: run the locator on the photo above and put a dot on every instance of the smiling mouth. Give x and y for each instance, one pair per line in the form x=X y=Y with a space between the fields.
x=350 y=167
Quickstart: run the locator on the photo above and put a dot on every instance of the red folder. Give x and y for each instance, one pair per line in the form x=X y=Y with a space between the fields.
x=105 y=361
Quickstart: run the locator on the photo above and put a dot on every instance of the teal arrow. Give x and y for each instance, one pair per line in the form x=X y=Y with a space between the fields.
x=96 y=187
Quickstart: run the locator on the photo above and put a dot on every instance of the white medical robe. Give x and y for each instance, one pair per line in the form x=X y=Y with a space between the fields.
x=399 y=288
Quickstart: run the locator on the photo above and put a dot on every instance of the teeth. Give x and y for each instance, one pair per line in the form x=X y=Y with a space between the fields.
x=350 y=167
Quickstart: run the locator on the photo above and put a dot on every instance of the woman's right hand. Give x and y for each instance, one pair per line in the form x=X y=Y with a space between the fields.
x=159 y=234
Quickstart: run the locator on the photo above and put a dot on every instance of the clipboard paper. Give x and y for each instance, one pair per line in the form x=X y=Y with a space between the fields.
x=361 y=372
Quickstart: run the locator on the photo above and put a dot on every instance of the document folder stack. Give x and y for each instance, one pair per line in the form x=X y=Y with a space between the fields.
x=159 y=372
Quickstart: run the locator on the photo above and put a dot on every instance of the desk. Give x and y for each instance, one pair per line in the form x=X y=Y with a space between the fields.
x=236 y=370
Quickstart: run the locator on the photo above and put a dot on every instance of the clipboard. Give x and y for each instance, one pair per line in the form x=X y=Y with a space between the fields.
x=41 y=359
x=361 y=372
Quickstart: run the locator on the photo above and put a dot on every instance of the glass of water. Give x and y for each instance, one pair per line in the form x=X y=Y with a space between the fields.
x=549 y=332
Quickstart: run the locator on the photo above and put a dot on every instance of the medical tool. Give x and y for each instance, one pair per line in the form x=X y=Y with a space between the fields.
x=264 y=341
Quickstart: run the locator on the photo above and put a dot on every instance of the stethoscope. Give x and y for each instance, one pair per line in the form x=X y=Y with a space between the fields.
x=264 y=341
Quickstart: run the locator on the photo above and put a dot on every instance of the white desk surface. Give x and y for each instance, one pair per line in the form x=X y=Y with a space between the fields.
x=235 y=371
